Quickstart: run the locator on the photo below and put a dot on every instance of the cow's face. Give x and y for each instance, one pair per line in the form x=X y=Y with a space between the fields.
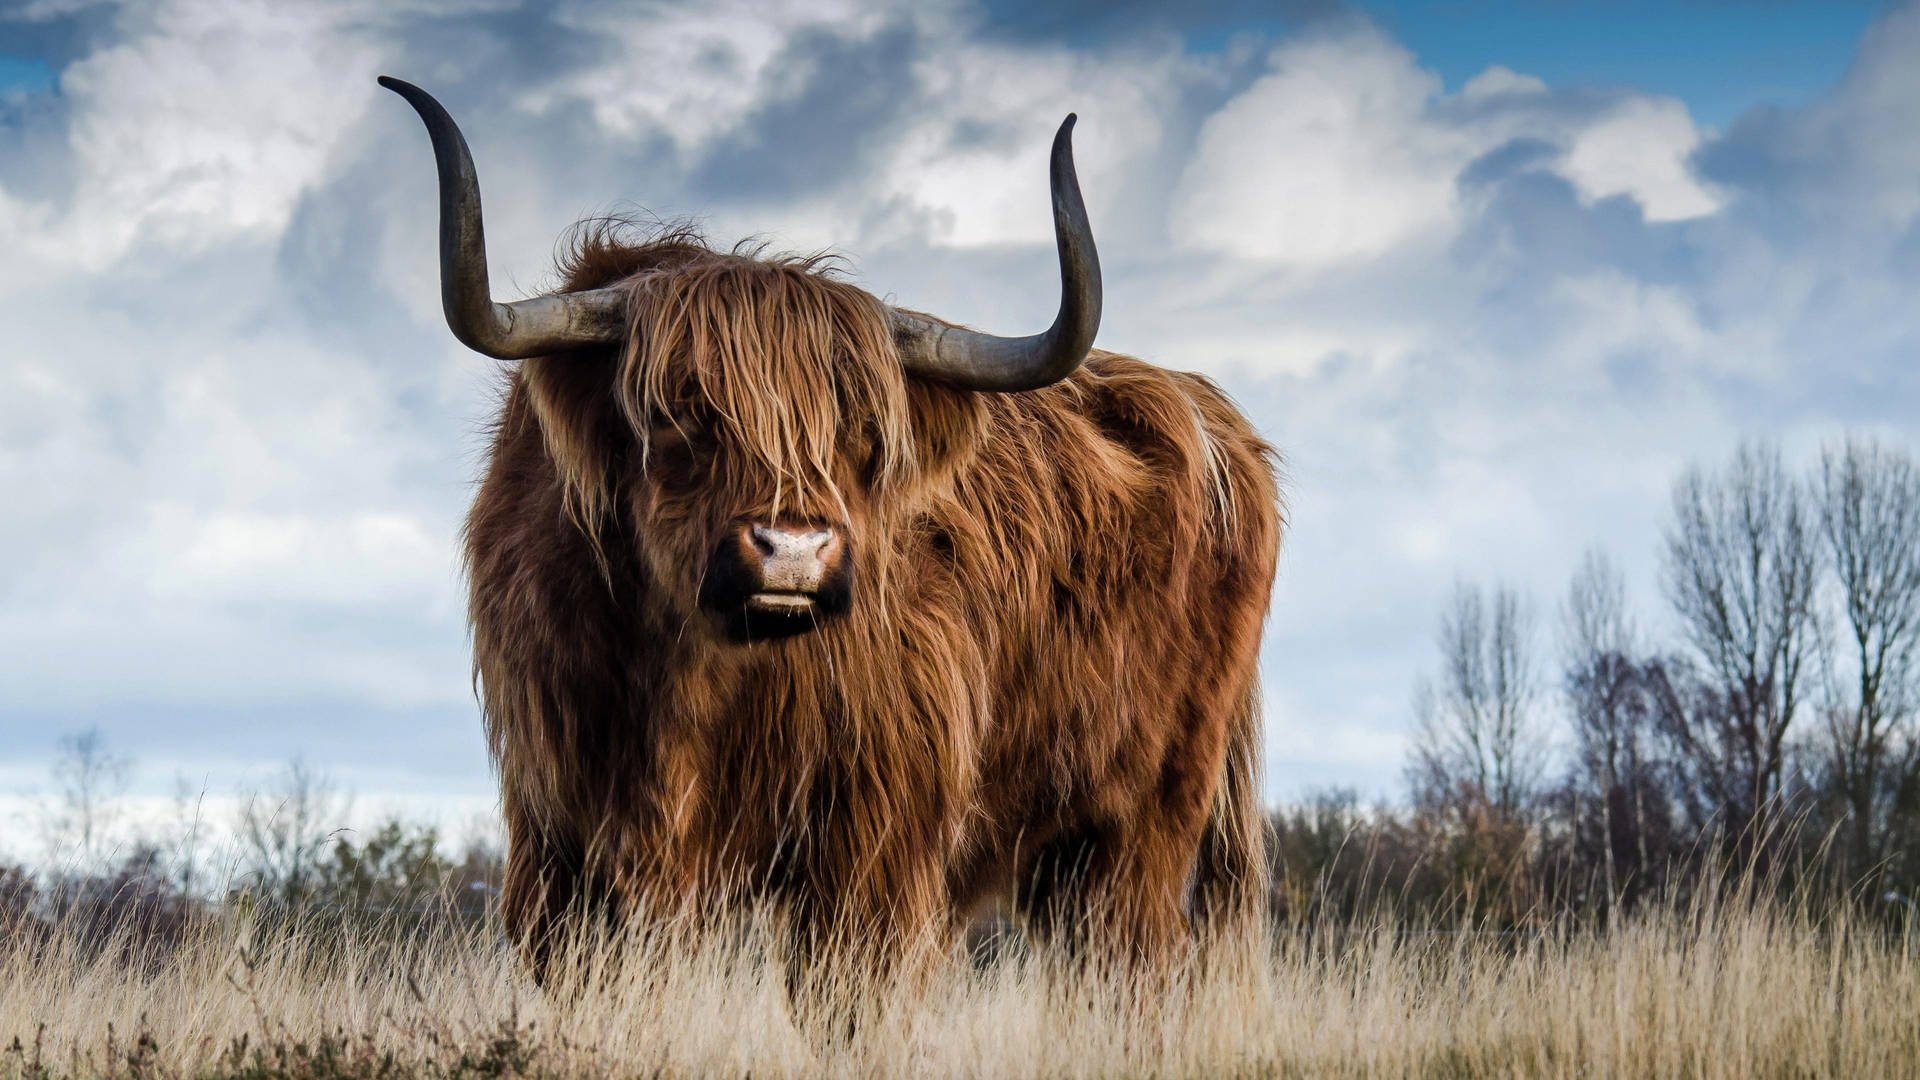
x=770 y=445
x=737 y=539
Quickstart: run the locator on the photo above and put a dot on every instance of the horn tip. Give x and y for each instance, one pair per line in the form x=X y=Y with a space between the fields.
x=1063 y=138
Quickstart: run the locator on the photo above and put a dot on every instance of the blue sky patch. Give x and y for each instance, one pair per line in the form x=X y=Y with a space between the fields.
x=25 y=74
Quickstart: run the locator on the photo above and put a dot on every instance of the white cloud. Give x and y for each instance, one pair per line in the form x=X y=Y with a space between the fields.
x=1501 y=82
x=208 y=119
x=968 y=168
x=1324 y=160
x=1603 y=314
x=693 y=72
x=975 y=158
x=361 y=561
x=1347 y=150
x=1850 y=158
x=1641 y=149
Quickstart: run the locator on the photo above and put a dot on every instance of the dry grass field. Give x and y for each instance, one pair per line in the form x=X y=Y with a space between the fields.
x=1747 y=993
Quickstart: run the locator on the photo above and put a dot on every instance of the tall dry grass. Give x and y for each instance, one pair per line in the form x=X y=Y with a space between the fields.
x=1750 y=991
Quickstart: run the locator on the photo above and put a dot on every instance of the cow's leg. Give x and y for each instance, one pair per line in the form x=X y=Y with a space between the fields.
x=1141 y=903
x=1231 y=876
x=1116 y=888
x=1107 y=893
x=562 y=893
x=542 y=887
x=1055 y=885
x=879 y=918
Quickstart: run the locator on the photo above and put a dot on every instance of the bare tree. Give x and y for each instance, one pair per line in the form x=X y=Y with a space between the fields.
x=1740 y=573
x=80 y=826
x=283 y=831
x=1617 y=700
x=1477 y=735
x=1869 y=506
x=1594 y=619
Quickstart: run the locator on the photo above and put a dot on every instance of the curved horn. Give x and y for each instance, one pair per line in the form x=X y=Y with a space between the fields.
x=535 y=327
x=975 y=361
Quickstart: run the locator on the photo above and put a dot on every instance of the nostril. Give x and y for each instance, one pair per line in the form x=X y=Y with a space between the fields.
x=766 y=541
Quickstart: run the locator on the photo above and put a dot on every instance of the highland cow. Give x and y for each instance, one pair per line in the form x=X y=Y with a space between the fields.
x=780 y=594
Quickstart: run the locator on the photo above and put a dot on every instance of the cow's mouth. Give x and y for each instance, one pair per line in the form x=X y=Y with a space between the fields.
x=772 y=614
x=781 y=603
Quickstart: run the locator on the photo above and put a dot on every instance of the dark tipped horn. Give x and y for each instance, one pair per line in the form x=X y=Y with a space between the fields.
x=535 y=327
x=974 y=361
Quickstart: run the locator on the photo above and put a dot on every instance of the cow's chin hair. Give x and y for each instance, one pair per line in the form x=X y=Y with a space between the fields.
x=746 y=625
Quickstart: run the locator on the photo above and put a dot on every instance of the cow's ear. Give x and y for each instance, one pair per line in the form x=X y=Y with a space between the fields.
x=579 y=423
x=947 y=426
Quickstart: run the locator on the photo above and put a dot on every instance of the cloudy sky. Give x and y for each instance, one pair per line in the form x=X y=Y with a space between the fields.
x=1490 y=273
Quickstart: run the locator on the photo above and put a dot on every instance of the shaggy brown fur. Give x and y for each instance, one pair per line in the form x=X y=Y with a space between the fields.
x=1045 y=689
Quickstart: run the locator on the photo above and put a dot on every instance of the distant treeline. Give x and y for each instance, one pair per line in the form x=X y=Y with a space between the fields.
x=1768 y=733
x=287 y=854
